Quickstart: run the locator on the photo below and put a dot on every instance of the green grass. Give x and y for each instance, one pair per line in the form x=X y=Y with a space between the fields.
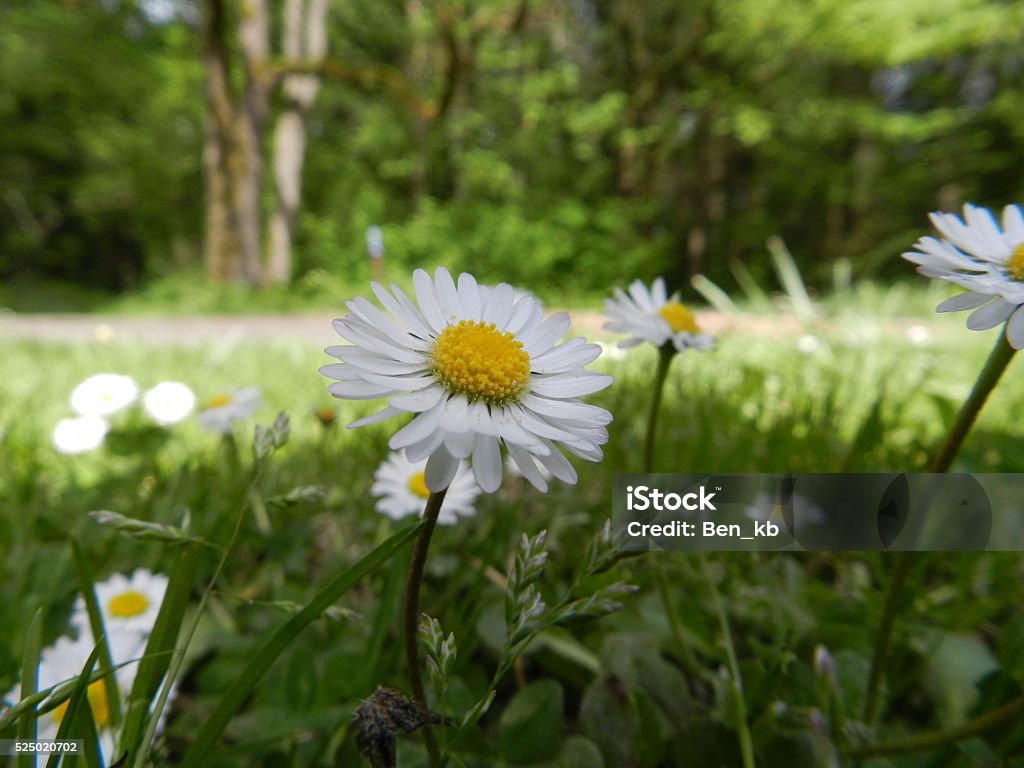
x=641 y=687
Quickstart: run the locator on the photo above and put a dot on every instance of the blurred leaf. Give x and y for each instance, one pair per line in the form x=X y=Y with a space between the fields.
x=531 y=725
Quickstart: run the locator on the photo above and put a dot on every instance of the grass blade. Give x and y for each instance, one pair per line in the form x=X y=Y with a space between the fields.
x=92 y=607
x=30 y=683
x=160 y=646
x=75 y=720
x=199 y=753
x=714 y=295
x=789 y=276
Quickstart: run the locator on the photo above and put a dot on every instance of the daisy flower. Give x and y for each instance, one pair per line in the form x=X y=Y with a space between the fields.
x=479 y=368
x=80 y=435
x=127 y=603
x=168 y=402
x=652 y=315
x=63 y=662
x=224 y=410
x=104 y=394
x=402 y=490
x=987 y=260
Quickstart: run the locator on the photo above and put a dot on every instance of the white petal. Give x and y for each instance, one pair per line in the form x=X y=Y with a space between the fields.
x=428 y=300
x=469 y=297
x=550 y=331
x=419 y=451
x=357 y=390
x=440 y=471
x=374 y=418
x=570 y=386
x=559 y=466
x=480 y=420
x=405 y=314
x=524 y=460
x=499 y=306
x=969 y=300
x=420 y=400
x=460 y=444
x=1015 y=330
x=659 y=295
x=419 y=428
x=447 y=296
x=990 y=315
x=487 y=464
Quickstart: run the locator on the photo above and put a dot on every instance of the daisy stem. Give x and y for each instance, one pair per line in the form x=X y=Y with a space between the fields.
x=997 y=363
x=989 y=377
x=665 y=355
x=412 y=612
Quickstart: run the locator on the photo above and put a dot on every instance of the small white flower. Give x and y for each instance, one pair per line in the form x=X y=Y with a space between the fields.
x=401 y=489
x=653 y=316
x=224 y=410
x=168 y=402
x=986 y=260
x=104 y=394
x=480 y=369
x=808 y=344
x=127 y=603
x=80 y=435
x=918 y=335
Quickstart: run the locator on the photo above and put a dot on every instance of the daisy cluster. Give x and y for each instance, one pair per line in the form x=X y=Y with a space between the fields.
x=101 y=396
x=128 y=606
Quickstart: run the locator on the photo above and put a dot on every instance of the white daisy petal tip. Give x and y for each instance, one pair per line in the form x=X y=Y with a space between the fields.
x=459 y=360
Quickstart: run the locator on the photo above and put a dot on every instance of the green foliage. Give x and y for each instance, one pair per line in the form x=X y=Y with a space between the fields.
x=550 y=144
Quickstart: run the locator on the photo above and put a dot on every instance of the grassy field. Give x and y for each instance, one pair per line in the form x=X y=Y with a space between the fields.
x=649 y=685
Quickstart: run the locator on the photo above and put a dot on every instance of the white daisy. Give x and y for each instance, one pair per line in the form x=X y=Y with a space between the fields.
x=63 y=662
x=513 y=469
x=988 y=261
x=654 y=316
x=168 y=402
x=104 y=394
x=402 y=490
x=479 y=368
x=224 y=410
x=127 y=603
x=80 y=435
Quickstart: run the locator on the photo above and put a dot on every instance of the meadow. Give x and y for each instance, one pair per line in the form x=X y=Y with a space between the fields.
x=781 y=643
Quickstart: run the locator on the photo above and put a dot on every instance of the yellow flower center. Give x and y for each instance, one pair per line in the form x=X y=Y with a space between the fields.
x=418 y=485
x=678 y=317
x=97 y=695
x=1015 y=264
x=218 y=401
x=128 y=604
x=477 y=360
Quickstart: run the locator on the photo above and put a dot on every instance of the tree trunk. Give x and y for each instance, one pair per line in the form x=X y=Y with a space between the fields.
x=246 y=162
x=308 y=16
x=221 y=245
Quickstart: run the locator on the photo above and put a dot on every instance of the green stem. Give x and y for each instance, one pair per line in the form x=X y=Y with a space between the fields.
x=1000 y=357
x=412 y=612
x=665 y=355
x=934 y=740
x=994 y=368
x=742 y=727
x=893 y=599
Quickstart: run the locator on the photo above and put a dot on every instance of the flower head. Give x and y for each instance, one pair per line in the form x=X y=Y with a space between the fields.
x=223 y=410
x=479 y=368
x=168 y=402
x=127 y=603
x=402 y=490
x=80 y=435
x=987 y=260
x=104 y=394
x=652 y=315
